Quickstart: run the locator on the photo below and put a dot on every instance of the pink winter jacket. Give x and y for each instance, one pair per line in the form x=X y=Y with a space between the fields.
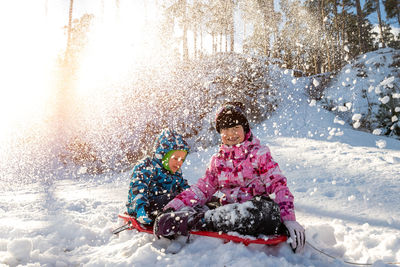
x=240 y=172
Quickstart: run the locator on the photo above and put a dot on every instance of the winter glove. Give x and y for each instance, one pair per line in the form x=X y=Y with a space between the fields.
x=142 y=217
x=172 y=223
x=297 y=234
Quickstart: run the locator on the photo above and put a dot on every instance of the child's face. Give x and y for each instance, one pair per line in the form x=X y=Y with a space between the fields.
x=176 y=160
x=232 y=136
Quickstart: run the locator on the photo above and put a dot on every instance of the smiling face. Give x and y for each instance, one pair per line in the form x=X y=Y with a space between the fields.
x=176 y=160
x=232 y=136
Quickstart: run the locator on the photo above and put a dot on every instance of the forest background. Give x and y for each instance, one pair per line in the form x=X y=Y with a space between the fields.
x=126 y=69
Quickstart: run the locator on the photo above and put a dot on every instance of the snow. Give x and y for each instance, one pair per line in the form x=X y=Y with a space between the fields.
x=369 y=85
x=356 y=117
x=345 y=182
x=384 y=99
x=20 y=249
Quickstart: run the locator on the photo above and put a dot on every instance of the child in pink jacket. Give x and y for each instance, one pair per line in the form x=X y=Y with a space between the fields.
x=245 y=173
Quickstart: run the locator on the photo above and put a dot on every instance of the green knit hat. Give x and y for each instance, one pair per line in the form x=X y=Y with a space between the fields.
x=167 y=157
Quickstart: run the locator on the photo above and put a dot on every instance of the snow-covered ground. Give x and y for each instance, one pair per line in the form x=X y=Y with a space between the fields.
x=346 y=185
x=367 y=92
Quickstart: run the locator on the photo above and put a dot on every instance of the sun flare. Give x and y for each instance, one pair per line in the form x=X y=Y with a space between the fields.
x=27 y=58
x=116 y=46
x=117 y=43
x=107 y=58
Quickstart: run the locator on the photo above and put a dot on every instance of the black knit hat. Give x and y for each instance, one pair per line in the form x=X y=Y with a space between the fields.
x=230 y=115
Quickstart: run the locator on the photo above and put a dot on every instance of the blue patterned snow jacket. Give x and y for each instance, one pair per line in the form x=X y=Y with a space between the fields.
x=150 y=179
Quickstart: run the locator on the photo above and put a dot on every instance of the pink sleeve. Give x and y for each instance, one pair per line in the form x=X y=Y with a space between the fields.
x=199 y=193
x=275 y=182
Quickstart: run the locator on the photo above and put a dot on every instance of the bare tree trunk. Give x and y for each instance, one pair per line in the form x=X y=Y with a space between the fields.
x=232 y=40
x=196 y=26
x=398 y=11
x=360 y=28
x=214 y=49
x=344 y=33
x=220 y=41
x=201 y=41
x=317 y=65
x=195 y=41
x=64 y=94
x=326 y=41
x=68 y=49
x=46 y=7
x=232 y=27
x=275 y=34
x=337 y=36
x=185 y=29
x=185 y=52
x=267 y=8
x=117 y=5
x=378 y=11
x=226 y=41
x=298 y=58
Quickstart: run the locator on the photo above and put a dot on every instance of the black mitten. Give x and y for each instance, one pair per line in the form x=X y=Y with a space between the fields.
x=173 y=223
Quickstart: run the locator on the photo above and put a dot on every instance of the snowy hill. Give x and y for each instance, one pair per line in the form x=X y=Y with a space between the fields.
x=366 y=93
x=345 y=182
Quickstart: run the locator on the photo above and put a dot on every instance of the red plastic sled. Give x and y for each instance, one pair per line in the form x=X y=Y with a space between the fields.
x=131 y=223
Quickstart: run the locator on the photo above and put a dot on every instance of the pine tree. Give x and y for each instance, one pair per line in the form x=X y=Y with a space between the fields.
x=392 y=9
x=360 y=28
x=388 y=113
x=374 y=6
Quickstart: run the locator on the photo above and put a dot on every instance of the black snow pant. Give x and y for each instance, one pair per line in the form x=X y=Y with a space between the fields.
x=261 y=215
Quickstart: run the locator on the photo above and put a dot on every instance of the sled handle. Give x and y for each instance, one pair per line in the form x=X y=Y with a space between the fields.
x=135 y=225
x=122 y=228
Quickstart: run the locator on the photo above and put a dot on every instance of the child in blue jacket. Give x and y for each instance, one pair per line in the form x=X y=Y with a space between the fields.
x=158 y=179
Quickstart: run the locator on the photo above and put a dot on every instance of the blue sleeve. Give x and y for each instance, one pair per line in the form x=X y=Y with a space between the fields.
x=138 y=188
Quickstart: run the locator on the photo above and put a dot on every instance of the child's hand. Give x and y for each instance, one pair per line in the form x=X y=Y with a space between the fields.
x=142 y=217
x=297 y=234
